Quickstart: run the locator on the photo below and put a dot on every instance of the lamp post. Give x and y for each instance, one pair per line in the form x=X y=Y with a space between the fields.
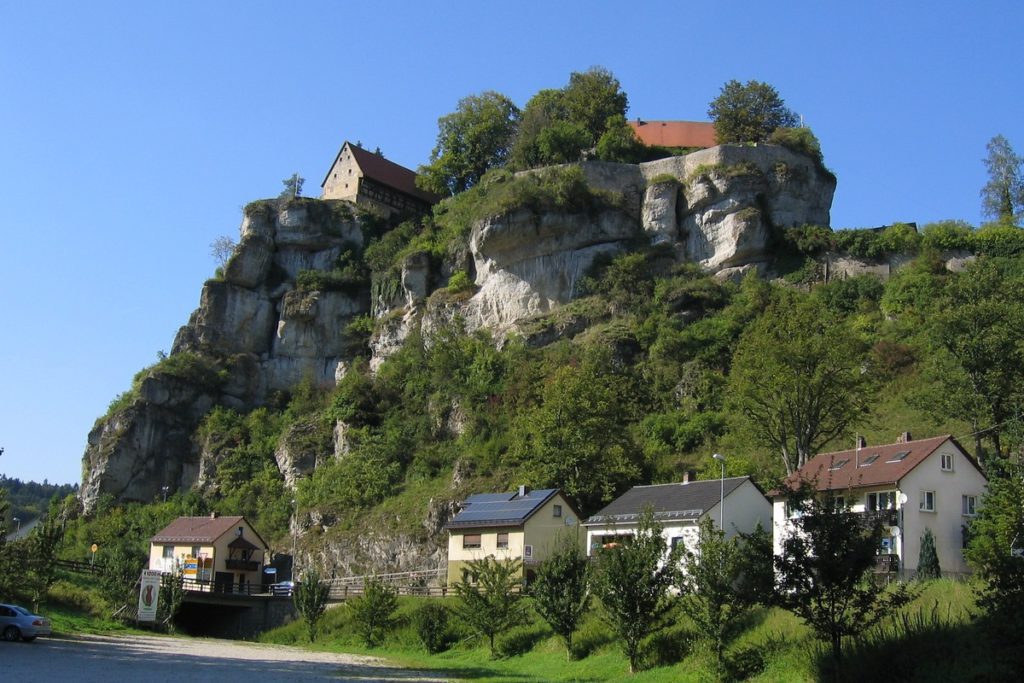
x=18 y=522
x=721 y=503
x=164 y=490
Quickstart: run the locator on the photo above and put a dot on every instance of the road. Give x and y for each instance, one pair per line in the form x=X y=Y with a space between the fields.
x=84 y=659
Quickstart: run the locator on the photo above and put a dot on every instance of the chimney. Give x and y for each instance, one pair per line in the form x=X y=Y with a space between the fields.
x=213 y=515
x=861 y=442
x=523 y=490
x=689 y=476
x=904 y=438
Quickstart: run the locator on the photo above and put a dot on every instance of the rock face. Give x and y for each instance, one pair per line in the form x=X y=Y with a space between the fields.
x=267 y=333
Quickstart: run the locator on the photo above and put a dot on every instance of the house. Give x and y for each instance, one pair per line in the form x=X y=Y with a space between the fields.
x=913 y=485
x=521 y=525
x=679 y=508
x=369 y=180
x=218 y=553
x=699 y=134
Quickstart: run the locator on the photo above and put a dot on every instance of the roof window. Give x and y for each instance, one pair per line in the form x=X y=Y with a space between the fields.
x=838 y=464
x=899 y=456
x=868 y=460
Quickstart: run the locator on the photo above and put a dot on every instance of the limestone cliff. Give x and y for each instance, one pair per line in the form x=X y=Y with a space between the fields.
x=280 y=311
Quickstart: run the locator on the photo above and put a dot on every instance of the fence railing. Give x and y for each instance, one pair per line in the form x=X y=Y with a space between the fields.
x=80 y=567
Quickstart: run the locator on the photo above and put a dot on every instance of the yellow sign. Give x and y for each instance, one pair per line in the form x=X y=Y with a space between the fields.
x=94 y=547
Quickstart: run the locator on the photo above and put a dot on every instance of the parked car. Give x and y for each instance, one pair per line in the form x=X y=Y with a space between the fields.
x=282 y=588
x=17 y=622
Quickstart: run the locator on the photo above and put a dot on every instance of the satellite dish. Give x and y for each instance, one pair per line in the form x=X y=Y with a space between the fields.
x=569 y=521
x=903 y=499
x=894 y=532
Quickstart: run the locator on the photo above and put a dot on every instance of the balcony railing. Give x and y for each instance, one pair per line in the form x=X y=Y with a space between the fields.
x=887 y=564
x=887 y=517
x=243 y=565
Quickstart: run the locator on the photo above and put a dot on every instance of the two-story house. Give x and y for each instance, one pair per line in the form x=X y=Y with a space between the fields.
x=913 y=485
x=521 y=525
x=369 y=180
x=735 y=504
x=223 y=554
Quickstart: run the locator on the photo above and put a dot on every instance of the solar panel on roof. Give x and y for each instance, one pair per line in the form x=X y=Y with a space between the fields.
x=488 y=497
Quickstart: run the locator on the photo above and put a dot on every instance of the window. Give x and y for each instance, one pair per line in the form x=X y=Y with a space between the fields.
x=927 y=501
x=676 y=540
x=947 y=462
x=503 y=540
x=882 y=500
x=898 y=457
x=838 y=464
x=195 y=551
x=840 y=502
x=868 y=460
x=970 y=505
x=169 y=551
x=471 y=541
x=558 y=511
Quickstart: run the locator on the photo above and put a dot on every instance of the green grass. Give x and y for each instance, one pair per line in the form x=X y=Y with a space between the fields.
x=938 y=637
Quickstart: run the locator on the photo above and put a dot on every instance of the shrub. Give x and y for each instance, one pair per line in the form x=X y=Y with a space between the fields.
x=810 y=239
x=521 y=640
x=431 y=621
x=459 y=282
x=373 y=611
x=928 y=564
x=947 y=236
x=800 y=140
x=999 y=240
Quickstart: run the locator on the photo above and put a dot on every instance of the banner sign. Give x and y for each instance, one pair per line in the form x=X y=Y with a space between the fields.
x=149 y=594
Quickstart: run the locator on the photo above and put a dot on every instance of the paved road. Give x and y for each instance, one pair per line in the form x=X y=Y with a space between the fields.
x=83 y=659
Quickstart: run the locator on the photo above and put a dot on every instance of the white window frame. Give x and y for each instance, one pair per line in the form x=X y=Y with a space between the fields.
x=946 y=462
x=890 y=497
x=927 y=501
x=969 y=505
x=168 y=552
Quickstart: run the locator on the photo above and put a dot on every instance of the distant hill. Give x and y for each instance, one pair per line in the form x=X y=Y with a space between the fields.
x=29 y=500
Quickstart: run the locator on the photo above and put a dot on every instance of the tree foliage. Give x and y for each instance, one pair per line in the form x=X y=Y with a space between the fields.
x=632 y=582
x=928 y=561
x=476 y=137
x=292 y=186
x=749 y=112
x=373 y=612
x=561 y=591
x=1002 y=197
x=825 y=566
x=310 y=600
x=798 y=378
x=490 y=601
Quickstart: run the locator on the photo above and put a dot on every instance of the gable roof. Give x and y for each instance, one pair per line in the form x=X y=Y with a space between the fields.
x=679 y=501
x=500 y=509
x=675 y=133
x=870 y=465
x=376 y=167
x=200 y=529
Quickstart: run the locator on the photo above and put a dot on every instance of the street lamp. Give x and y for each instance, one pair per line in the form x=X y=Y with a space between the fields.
x=721 y=504
x=164 y=490
x=18 y=522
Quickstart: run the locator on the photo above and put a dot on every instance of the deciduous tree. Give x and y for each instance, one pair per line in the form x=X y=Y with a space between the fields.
x=749 y=112
x=491 y=598
x=561 y=592
x=799 y=377
x=310 y=600
x=632 y=581
x=473 y=139
x=1002 y=197
x=373 y=611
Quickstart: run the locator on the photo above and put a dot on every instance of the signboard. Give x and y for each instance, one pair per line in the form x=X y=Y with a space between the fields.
x=190 y=567
x=149 y=594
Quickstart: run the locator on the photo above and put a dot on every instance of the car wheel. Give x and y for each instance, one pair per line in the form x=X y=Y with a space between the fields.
x=12 y=633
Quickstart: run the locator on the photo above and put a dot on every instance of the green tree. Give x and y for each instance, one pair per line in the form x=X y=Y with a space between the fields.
x=632 y=582
x=172 y=595
x=373 y=612
x=749 y=112
x=928 y=561
x=122 y=568
x=718 y=585
x=490 y=602
x=40 y=554
x=998 y=529
x=431 y=621
x=310 y=600
x=473 y=139
x=620 y=143
x=825 y=569
x=292 y=186
x=1002 y=197
x=798 y=377
x=561 y=591
x=575 y=438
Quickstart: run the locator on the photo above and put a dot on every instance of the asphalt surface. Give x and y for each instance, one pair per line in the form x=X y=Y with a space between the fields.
x=82 y=659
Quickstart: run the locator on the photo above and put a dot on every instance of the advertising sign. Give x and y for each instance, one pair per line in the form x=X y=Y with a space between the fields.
x=149 y=594
x=191 y=567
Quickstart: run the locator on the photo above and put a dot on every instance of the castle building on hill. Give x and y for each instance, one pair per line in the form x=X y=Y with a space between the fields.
x=369 y=180
x=689 y=134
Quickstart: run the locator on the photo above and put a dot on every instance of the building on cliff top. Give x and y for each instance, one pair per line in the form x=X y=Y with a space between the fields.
x=520 y=525
x=222 y=554
x=700 y=134
x=911 y=485
x=369 y=180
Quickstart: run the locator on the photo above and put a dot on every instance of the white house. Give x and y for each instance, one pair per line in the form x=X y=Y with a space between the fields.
x=914 y=485
x=679 y=509
x=223 y=554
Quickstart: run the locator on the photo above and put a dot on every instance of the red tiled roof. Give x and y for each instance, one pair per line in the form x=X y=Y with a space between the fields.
x=859 y=468
x=196 y=529
x=376 y=167
x=675 y=133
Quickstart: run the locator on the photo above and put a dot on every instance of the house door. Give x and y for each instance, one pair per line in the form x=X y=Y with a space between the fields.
x=222 y=582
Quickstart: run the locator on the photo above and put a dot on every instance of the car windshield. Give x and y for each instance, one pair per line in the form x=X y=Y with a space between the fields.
x=21 y=610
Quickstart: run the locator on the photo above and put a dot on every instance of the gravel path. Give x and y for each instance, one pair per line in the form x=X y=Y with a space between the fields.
x=83 y=659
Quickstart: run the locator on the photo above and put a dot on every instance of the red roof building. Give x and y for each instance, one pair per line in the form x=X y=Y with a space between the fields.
x=368 y=179
x=675 y=133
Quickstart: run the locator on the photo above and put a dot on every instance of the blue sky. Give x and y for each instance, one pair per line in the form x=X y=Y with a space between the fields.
x=133 y=133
